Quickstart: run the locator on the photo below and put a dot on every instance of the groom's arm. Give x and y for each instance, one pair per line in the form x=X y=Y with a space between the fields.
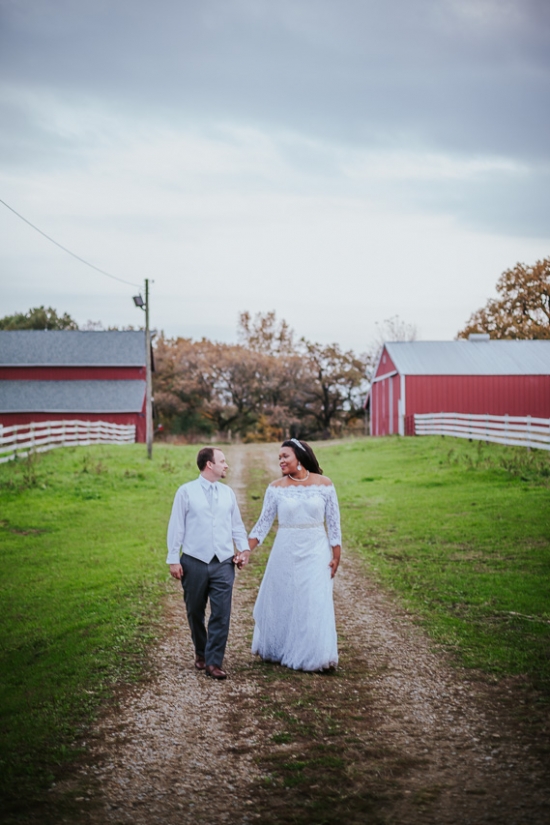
x=240 y=536
x=238 y=530
x=176 y=530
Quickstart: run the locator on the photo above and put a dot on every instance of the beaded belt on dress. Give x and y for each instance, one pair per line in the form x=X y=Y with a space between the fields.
x=301 y=526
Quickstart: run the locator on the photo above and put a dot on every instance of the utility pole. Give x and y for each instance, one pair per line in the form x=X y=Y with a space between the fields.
x=139 y=302
x=149 y=378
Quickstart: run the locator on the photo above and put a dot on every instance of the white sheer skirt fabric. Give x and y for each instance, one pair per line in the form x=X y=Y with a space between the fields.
x=294 y=612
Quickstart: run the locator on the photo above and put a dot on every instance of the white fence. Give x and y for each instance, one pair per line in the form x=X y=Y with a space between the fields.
x=503 y=429
x=22 y=439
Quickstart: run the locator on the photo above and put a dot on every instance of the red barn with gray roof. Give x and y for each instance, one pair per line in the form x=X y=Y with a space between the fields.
x=64 y=374
x=477 y=376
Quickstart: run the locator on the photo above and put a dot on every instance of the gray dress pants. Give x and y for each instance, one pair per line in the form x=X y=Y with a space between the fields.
x=202 y=581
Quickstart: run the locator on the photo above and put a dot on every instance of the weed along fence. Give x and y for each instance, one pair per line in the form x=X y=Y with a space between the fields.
x=502 y=429
x=22 y=439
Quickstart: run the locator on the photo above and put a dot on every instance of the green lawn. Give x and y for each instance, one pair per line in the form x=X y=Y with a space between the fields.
x=461 y=532
x=82 y=574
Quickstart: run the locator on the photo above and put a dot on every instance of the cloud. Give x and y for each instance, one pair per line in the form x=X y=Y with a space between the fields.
x=50 y=134
x=338 y=162
x=453 y=75
x=230 y=218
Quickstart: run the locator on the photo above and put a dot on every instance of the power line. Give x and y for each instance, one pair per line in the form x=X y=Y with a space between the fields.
x=64 y=248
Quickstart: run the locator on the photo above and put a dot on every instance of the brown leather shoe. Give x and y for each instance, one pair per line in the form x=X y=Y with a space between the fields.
x=200 y=664
x=215 y=672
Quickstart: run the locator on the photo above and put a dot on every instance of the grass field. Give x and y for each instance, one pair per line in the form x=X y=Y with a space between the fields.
x=82 y=576
x=462 y=532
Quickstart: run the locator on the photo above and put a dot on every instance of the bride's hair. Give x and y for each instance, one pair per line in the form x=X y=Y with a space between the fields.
x=304 y=454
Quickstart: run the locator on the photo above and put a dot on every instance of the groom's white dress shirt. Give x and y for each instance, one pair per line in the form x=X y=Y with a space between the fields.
x=205 y=522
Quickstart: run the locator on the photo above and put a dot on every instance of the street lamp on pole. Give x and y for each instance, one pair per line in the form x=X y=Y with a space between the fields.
x=144 y=304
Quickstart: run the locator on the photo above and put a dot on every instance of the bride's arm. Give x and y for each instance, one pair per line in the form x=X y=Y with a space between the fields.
x=332 y=516
x=263 y=525
x=260 y=529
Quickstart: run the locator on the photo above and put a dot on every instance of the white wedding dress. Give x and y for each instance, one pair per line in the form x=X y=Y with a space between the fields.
x=294 y=611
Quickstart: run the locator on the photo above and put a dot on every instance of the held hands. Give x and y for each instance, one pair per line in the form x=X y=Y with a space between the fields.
x=241 y=559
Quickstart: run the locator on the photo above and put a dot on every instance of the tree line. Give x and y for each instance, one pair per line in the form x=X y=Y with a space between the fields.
x=271 y=384
x=267 y=386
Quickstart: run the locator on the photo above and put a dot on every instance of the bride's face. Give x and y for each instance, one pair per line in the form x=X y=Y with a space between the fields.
x=287 y=461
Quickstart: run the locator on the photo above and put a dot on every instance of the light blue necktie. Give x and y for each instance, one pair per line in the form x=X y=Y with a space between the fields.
x=210 y=495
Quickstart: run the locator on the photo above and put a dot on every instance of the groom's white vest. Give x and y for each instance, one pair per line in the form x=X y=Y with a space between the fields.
x=201 y=530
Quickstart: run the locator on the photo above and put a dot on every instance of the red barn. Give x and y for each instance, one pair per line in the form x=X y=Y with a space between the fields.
x=91 y=376
x=477 y=376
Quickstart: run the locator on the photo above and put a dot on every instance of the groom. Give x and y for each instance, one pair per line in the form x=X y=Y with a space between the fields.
x=204 y=525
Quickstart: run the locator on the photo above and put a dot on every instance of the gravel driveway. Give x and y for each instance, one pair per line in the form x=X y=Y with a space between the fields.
x=407 y=737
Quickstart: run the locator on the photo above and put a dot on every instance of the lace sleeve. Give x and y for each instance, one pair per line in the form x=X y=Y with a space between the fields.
x=269 y=511
x=332 y=516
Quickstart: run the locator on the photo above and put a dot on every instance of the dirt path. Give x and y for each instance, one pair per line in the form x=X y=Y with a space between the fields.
x=472 y=759
x=168 y=753
x=397 y=735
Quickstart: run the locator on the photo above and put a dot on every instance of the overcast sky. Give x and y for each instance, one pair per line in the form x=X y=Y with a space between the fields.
x=339 y=161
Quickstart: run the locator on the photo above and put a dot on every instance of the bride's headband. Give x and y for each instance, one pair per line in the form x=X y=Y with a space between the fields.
x=295 y=441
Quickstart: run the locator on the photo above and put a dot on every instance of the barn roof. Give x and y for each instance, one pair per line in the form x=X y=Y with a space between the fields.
x=470 y=357
x=71 y=348
x=71 y=396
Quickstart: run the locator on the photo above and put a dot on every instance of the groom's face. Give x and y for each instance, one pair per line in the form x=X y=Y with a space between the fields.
x=219 y=466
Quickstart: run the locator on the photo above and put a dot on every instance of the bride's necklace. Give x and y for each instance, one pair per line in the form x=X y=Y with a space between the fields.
x=305 y=478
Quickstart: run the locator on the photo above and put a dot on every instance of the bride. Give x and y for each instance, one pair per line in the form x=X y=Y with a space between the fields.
x=294 y=611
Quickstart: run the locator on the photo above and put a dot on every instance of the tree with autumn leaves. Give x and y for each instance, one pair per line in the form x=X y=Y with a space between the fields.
x=522 y=309
x=266 y=386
